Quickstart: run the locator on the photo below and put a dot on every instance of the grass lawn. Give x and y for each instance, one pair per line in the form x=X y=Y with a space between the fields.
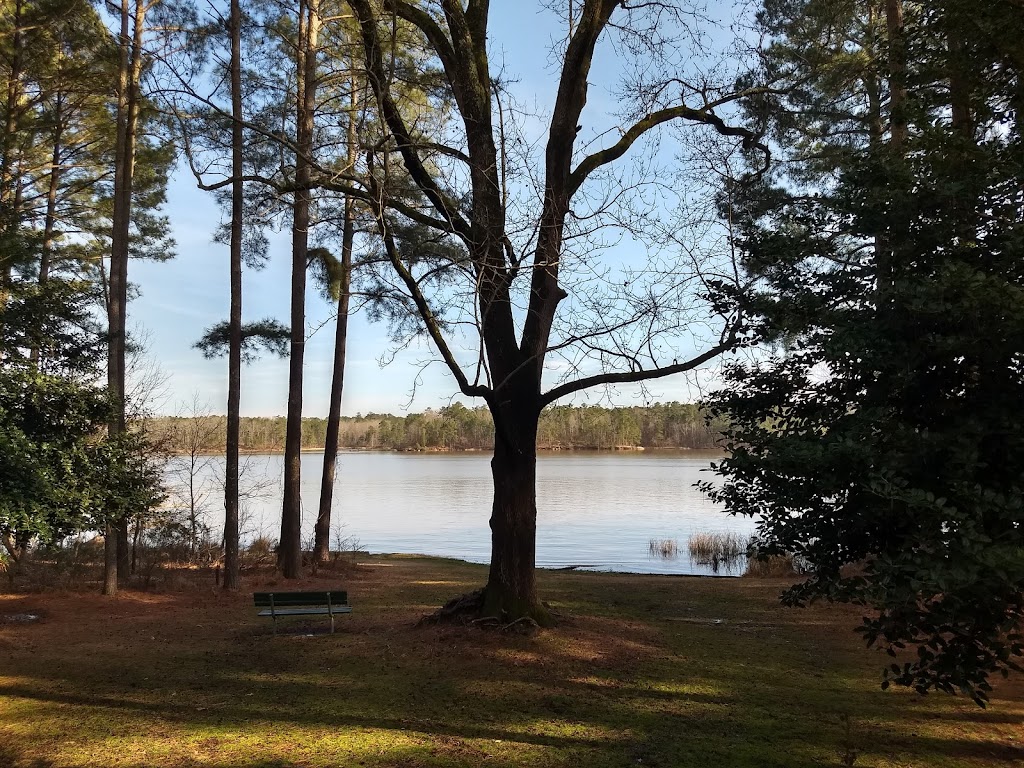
x=641 y=671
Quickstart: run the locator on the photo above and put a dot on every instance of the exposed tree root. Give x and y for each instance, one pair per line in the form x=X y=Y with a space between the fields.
x=463 y=609
x=466 y=610
x=524 y=625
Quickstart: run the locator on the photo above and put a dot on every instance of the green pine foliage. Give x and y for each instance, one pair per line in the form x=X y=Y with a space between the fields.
x=876 y=429
x=58 y=473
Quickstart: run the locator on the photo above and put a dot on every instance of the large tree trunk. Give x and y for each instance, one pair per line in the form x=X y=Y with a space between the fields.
x=290 y=554
x=118 y=289
x=231 y=562
x=511 y=591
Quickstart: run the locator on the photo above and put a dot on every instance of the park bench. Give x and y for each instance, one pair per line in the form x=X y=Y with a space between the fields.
x=301 y=604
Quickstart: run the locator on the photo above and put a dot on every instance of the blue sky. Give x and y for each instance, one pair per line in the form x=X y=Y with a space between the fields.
x=182 y=297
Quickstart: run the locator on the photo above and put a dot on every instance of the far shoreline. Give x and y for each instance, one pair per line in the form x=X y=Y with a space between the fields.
x=425 y=451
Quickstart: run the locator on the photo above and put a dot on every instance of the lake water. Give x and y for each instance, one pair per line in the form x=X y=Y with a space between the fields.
x=598 y=510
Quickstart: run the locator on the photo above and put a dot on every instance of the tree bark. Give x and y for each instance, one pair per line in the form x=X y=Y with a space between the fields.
x=511 y=591
x=897 y=74
x=49 y=220
x=231 y=502
x=322 y=531
x=8 y=178
x=130 y=45
x=109 y=560
x=290 y=554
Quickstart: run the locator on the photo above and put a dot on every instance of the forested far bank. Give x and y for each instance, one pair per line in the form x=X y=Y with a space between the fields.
x=454 y=428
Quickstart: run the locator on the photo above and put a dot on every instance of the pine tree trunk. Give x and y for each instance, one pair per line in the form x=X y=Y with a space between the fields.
x=49 y=222
x=231 y=561
x=322 y=531
x=290 y=554
x=118 y=290
x=897 y=73
x=50 y=217
x=116 y=545
x=8 y=178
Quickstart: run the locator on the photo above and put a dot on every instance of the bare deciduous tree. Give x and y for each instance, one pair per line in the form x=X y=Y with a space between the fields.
x=538 y=298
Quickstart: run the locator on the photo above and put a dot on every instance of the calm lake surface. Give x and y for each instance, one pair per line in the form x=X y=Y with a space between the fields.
x=598 y=510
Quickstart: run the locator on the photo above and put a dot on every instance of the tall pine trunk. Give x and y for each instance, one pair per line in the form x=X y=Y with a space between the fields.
x=322 y=531
x=9 y=182
x=50 y=217
x=231 y=563
x=897 y=59
x=290 y=555
x=50 y=220
x=117 y=559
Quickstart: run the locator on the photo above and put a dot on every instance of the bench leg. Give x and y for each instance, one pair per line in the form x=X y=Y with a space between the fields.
x=332 y=623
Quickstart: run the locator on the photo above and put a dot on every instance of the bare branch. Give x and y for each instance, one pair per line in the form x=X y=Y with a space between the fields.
x=631 y=377
x=433 y=327
x=638 y=129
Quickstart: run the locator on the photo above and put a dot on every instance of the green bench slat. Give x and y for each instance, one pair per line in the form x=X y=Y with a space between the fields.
x=285 y=599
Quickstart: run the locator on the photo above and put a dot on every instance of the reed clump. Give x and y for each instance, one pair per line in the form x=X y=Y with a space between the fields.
x=664 y=548
x=707 y=548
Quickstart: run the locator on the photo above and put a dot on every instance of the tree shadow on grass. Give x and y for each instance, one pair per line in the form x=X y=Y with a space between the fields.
x=397 y=758
x=604 y=690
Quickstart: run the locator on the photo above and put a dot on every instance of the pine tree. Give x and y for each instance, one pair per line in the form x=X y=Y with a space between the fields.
x=877 y=433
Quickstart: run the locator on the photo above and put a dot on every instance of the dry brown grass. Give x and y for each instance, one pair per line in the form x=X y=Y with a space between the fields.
x=776 y=566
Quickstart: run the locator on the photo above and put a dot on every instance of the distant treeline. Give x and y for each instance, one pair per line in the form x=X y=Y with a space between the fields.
x=455 y=428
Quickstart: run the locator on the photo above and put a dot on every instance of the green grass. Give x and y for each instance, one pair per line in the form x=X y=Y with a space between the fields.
x=640 y=671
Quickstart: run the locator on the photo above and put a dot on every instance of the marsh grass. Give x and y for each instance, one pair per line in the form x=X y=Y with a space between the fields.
x=667 y=549
x=718 y=550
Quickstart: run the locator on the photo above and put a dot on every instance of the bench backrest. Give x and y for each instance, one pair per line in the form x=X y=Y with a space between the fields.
x=283 y=599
